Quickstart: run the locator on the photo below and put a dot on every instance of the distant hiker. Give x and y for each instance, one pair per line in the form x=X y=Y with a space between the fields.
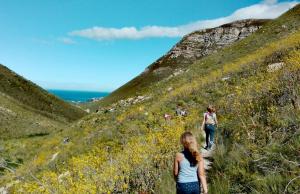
x=66 y=140
x=183 y=113
x=189 y=167
x=167 y=117
x=209 y=124
x=180 y=112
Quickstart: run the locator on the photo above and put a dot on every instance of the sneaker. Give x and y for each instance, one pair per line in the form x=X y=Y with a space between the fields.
x=212 y=145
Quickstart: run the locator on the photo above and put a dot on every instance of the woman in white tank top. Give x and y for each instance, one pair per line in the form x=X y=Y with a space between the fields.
x=189 y=167
x=209 y=124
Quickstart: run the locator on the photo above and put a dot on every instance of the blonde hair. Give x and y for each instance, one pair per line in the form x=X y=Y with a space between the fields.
x=189 y=143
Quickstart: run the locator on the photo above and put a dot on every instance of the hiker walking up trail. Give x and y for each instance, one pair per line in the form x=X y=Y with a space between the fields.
x=189 y=167
x=209 y=124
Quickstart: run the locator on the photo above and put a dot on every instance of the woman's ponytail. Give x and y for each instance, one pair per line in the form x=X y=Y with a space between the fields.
x=193 y=148
x=190 y=144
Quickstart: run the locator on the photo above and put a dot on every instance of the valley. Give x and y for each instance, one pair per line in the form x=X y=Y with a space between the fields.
x=126 y=146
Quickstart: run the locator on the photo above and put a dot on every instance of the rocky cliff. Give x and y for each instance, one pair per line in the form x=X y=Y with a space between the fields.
x=204 y=42
x=192 y=47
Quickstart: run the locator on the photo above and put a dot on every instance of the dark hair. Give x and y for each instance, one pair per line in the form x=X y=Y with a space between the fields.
x=211 y=108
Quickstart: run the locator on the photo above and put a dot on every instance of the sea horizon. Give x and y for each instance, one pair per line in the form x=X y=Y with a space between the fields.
x=78 y=96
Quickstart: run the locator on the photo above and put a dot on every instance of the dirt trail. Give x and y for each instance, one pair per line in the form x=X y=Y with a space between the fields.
x=206 y=153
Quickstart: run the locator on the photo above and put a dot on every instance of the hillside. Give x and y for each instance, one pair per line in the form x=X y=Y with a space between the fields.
x=129 y=148
x=192 y=47
x=29 y=116
x=35 y=98
x=18 y=121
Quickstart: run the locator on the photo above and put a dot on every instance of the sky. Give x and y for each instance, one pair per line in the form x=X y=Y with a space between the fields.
x=99 y=45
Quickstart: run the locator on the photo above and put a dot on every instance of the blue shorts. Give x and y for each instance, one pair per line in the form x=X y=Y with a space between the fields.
x=188 y=188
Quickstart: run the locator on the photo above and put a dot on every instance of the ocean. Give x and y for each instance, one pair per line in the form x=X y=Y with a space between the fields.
x=78 y=96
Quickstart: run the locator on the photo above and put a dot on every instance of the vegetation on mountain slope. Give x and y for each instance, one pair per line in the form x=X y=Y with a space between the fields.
x=130 y=149
x=36 y=98
x=17 y=121
x=29 y=116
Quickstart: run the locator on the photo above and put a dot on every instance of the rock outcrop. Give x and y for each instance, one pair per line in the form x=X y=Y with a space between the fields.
x=123 y=103
x=275 y=67
x=204 y=42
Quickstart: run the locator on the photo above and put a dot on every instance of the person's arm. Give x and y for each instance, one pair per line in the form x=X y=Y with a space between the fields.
x=201 y=175
x=203 y=123
x=216 y=120
x=176 y=166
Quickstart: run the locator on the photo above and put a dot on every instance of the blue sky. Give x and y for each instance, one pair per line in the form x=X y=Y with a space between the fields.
x=102 y=44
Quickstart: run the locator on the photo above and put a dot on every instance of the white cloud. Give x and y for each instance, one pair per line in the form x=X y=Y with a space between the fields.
x=66 y=40
x=268 y=9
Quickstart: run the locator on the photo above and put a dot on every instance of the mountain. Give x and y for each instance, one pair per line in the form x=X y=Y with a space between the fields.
x=192 y=47
x=129 y=146
x=28 y=110
x=29 y=116
x=36 y=98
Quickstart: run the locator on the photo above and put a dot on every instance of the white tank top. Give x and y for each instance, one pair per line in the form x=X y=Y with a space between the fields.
x=187 y=172
x=210 y=118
